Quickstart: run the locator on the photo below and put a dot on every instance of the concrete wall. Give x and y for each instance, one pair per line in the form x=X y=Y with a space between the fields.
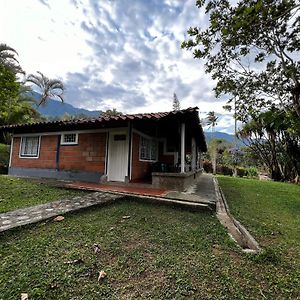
x=52 y=173
x=175 y=181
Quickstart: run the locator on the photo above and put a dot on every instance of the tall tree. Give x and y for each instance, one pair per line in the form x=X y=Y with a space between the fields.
x=8 y=59
x=176 y=102
x=212 y=122
x=48 y=87
x=251 y=50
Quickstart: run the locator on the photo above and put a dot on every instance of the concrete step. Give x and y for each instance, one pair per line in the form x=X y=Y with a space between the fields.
x=181 y=203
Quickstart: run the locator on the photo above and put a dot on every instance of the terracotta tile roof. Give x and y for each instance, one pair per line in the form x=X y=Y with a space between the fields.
x=103 y=119
x=190 y=114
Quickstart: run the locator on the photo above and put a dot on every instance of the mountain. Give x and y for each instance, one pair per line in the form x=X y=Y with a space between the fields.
x=222 y=135
x=55 y=108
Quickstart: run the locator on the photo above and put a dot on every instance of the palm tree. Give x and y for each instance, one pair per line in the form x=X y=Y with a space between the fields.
x=48 y=87
x=212 y=122
x=8 y=59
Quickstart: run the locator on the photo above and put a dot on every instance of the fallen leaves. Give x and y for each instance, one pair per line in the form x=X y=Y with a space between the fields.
x=59 y=219
x=96 y=248
x=24 y=296
x=74 y=262
x=102 y=275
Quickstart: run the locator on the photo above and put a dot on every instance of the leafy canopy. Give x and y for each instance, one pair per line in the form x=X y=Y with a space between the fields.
x=252 y=50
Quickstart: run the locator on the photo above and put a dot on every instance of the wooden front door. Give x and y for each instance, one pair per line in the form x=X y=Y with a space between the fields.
x=118 y=157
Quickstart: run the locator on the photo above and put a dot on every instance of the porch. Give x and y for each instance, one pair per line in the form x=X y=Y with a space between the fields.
x=200 y=193
x=167 y=152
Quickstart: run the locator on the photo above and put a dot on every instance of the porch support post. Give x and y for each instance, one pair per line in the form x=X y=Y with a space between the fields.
x=182 y=156
x=11 y=151
x=194 y=154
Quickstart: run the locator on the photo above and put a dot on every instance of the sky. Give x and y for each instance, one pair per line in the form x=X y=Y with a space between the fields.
x=122 y=54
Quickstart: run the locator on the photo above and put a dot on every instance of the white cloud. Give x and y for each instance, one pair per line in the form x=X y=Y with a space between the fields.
x=118 y=54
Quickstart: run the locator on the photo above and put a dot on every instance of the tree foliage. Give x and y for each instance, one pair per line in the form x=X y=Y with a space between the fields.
x=49 y=88
x=211 y=121
x=16 y=105
x=111 y=113
x=8 y=59
x=251 y=50
x=271 y=135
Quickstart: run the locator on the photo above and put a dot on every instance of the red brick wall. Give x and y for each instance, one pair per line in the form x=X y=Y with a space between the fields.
x=88 y=155
x=47 y=156
x=140 y=169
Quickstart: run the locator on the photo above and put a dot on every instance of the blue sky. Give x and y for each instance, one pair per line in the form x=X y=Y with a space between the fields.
x=114 y=54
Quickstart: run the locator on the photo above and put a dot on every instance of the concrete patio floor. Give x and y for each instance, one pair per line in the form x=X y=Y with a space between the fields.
x=202 y=192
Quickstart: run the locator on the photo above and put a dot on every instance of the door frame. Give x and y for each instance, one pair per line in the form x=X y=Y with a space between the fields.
x=111 y=133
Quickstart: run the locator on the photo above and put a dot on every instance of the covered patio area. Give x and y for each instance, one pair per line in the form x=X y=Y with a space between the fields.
x=166 y=151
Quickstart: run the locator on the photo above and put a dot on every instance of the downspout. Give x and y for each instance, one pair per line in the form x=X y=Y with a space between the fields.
x=106 y=152
x=129 y=150
x=58 y=152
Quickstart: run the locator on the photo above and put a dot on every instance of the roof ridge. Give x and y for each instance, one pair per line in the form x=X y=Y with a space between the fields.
x=123 y=117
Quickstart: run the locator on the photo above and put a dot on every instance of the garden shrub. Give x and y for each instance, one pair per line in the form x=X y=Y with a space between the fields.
x=241 y=172
x=224 y=170
x=4 y=158
x=252 y=172
x=207 y=166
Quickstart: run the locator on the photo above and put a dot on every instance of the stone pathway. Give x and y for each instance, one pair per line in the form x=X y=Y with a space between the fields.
x=41 y=212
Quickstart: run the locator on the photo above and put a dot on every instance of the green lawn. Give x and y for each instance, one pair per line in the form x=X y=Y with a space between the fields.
x=17 y=193
x=160 y=252
x=271 y=212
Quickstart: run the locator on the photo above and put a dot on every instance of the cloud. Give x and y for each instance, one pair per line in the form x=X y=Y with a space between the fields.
x=137 y=55
x=116 y=54
x=45 y=2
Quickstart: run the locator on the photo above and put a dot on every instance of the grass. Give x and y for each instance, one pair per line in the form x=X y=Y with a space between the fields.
x=271 y=212
x=18 y=193
x=158 y=253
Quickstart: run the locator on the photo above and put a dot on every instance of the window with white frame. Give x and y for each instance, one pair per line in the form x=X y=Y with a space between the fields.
x=30 y=146
x=148 y=149
x=69 y=139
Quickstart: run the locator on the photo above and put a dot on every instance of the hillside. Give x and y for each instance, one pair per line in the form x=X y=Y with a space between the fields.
x=222 y=135
x=219 y=135
x=55 y=108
